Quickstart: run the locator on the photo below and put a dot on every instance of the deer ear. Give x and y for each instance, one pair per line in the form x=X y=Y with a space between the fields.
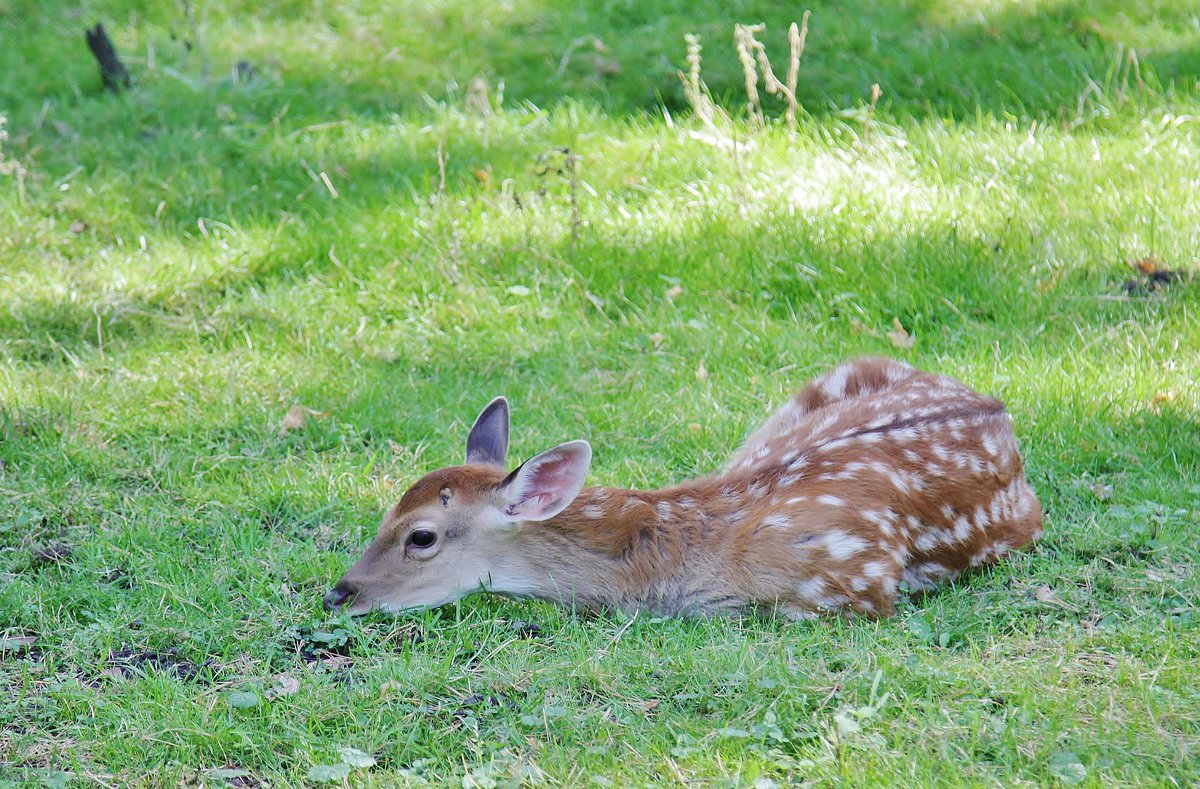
x=488 y=441
x=545 y=484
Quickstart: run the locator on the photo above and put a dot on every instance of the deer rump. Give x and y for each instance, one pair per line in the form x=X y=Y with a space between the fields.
x=874 y=475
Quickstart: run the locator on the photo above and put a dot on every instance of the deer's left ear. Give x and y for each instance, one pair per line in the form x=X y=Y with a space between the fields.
x=545 y=484
x=488 y=442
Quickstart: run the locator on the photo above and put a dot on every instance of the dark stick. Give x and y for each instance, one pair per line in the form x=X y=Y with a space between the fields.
x=111 y=68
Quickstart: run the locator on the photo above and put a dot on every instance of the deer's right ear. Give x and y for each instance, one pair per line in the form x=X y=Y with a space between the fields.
x=488 y=442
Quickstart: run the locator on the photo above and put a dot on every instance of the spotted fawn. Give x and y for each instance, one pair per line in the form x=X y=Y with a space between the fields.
x=873 y=475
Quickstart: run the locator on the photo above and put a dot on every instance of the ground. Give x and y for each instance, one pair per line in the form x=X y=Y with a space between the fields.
x=390 y=212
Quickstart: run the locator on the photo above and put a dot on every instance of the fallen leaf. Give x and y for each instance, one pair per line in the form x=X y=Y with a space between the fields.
x=518 y=290
x=1044 y=594
x=284 y=686
x=1163 y=397
x=296 y=416
x=673 y=291
x=899 y=337
x=16 y=643
x=336 y=661
x=695 y=427
x=657 y=338
x=649 y=705
x=701 y=372
x=1147 y=265
x=1101 y=491
x=79 y=226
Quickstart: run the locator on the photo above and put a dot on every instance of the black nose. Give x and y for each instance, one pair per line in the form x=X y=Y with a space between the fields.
x=338 y=596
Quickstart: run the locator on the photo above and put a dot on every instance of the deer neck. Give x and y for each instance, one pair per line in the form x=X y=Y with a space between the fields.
x=616 y=548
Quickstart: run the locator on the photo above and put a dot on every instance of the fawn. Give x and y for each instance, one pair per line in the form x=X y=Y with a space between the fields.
x=874 y=474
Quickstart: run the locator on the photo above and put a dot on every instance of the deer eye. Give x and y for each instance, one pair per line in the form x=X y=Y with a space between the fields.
x=422 y=538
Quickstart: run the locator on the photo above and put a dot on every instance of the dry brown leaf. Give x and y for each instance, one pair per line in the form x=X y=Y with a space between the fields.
x=79 y=226
x=695 y=427
x=16 y=643
x=296 y=416
x=335 y=662
x=1101 y=491
x=673 y=291
x=701 y=372
x=858 y=327
x=657 y=338
x=649 y=705
x=1044 y=594
x=285 y=685
x=1147 y=265
x=899 y=337
x=1163 y=397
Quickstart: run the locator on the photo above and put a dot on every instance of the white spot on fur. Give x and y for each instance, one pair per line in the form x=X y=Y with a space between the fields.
x=841 y=545
x=811 y=588
x=928 y=540
x=874 y=569
x=834 y=384
x=799 y=463
x=962 y=528
x=881 y=519
x=989 y=444
x=593 y=512
x=776 y=522
x=832 y=501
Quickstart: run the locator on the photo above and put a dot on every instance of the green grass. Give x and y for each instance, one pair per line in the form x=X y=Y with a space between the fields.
x=175 y=273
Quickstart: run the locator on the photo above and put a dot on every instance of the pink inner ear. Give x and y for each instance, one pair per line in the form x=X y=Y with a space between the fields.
x=530 y=506
x=545 y=486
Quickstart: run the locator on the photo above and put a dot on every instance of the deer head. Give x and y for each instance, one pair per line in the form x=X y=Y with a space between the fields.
x=454 y=531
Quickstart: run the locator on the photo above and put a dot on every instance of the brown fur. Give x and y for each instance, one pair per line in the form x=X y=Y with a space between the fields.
x=874 y=474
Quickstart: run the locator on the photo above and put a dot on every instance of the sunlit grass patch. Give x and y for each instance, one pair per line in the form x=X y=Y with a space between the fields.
x=393 y=212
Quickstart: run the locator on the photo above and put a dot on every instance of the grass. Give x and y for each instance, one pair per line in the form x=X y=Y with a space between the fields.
x=359 y=229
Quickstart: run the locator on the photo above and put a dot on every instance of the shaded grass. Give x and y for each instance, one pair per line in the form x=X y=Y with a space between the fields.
x=147 y=358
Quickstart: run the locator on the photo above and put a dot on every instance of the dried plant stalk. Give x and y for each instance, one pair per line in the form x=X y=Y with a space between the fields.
x=753 y=56
x=744 y=42
x=796 y=40
x=694 y=89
